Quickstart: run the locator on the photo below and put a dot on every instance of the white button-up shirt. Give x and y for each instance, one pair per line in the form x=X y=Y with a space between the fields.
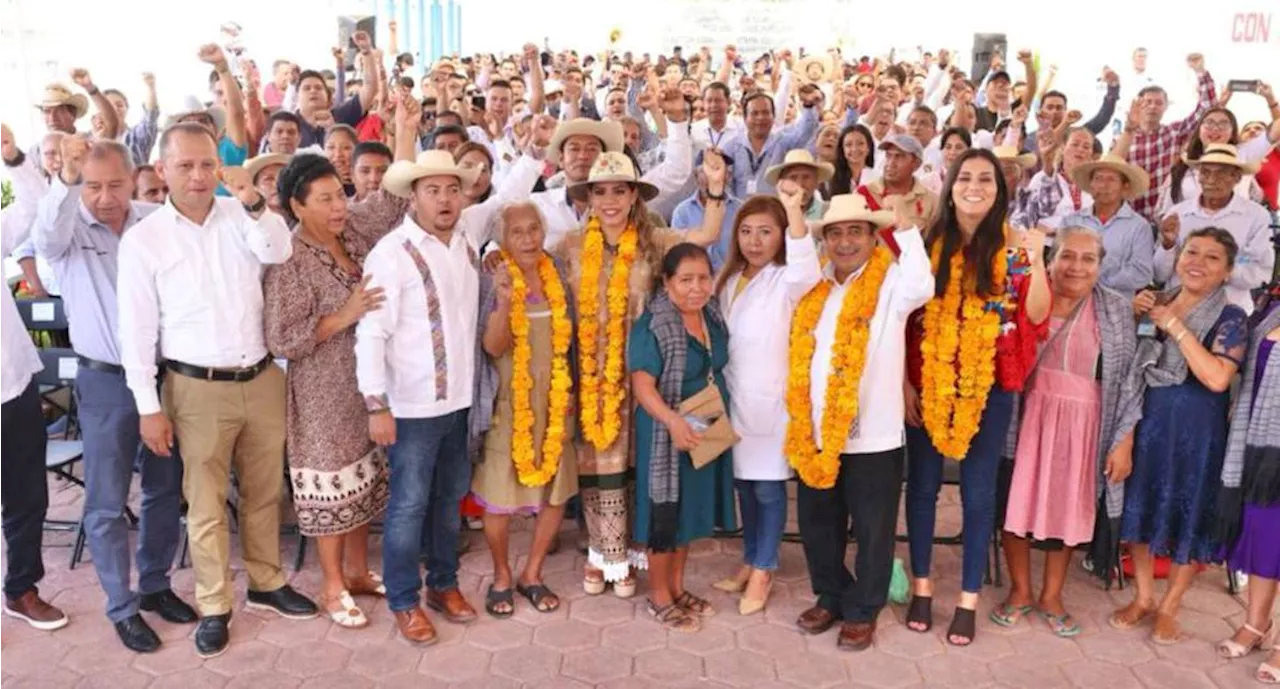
x=196 y=290
x=19 y=360
x=705 y=136
x=396 y=356
x=907 y=286
x=1248 y=223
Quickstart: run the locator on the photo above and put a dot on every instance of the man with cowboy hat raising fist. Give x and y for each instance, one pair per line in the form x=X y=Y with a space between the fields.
x=415 y=363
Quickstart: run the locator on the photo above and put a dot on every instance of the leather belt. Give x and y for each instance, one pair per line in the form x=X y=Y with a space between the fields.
x=224 y=375
x=100 y=366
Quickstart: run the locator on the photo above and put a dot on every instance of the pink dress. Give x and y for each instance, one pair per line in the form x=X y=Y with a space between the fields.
x=1053 y=494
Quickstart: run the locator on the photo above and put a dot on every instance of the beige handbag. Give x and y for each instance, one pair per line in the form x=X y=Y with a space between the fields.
x=707 y=405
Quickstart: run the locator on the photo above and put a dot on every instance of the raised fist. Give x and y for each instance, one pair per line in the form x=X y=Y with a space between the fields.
x=80 y=77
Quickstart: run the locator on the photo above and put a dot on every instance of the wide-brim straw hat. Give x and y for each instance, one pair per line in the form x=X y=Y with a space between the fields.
x=255 y=165
x=802 y=158
x=1222 y=154
x=612 y=166
x=1025 y=160
x=607 y=131
x=852 y=208
x=1139 y=180
x=399 y=179
x=56 y=95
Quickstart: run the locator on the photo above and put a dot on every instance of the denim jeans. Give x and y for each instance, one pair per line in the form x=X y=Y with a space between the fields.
x=430 y=474
x=112 y=446
x=764 y=514
x=25 y=496
x=978 y=472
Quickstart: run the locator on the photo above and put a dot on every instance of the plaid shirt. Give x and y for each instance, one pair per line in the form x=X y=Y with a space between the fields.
x=142 y=136
x=1156 y=151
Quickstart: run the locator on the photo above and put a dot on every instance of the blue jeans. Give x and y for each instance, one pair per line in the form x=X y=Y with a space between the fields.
x=764 y=514
x=977 y=491
x=112 y=447
x=430 y=474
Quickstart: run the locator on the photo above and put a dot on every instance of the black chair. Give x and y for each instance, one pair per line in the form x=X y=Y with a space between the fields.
x=46 y=316
x=61 y=455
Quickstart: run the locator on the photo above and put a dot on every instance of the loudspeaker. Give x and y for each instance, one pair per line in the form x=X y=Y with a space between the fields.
x=347 y=27
x=984 y=46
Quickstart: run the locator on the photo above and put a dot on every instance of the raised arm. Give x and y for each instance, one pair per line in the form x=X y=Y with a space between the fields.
x=670 y=176
x=1101 y=120
x=1032 y=78
x=265 y=233
x=54 y=228
x=211 y=54
x=1184 y=128
x=713 y=166
x=537 y=87
x=112 y=125
x=726 y=68
x=804 y=269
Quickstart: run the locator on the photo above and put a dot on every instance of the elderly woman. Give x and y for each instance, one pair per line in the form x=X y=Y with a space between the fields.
x=1250 y=509
x=613 y=263
x=1067 y=431
x=523 y=411
x=678 y=350
x=1192 y=342
x=311 y=304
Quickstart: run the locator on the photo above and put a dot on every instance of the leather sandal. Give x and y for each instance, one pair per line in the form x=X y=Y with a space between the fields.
x=1130 y=616
x=343 y=611
x=1166 y=631
x=964 y=625
x=695 y=605
x=494 y=598
x=675 y=618
x=369 y=584
x=1231 y=649
x=540 y=597
x=920 y=611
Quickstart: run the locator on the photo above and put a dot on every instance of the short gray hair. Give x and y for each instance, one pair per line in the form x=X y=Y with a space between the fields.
x=192 y=128
x=102 y=150
x=498 y=224
x=1068 y=232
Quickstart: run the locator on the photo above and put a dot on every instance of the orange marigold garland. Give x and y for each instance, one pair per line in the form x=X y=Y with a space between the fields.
x=959 y=355
x=818 y=467
x=602 y=396
x=522 y=443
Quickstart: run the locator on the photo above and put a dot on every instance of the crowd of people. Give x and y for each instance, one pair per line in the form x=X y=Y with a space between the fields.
x=631 y=289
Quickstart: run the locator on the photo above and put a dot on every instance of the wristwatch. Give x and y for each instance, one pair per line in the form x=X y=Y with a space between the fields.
x=723 y=196
x=257 y=206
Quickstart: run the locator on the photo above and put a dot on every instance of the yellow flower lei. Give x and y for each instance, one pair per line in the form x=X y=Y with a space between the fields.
x=522 y=381
x=818 y=468
x=958 y=328
x=602 y=400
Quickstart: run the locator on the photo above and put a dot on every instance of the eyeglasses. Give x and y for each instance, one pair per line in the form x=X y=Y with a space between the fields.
x=1218 y=125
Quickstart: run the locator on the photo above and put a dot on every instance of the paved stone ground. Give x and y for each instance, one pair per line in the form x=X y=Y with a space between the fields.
x=610 y=643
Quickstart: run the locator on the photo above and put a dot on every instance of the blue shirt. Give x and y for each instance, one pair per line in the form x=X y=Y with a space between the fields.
x=231 y=155
x=1130 y=243
x=83 y=253
x=688 y=216
x=747 y=166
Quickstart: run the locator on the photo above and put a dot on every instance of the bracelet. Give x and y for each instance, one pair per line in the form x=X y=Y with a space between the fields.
x=92 y=91
x=1169 y=323
x=722 y=197
x=1178 y=338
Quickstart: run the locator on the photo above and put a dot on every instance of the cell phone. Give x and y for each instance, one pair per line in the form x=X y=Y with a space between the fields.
x=477 y=102
x=1244 y=85
x=696 y=423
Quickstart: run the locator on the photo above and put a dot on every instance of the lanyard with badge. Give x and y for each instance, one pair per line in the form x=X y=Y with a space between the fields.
x=754 y=163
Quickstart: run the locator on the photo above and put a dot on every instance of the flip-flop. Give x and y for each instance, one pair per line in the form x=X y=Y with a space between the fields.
x=1064 y=625
x=1009 y=615
x=494 y=597
x=536 y=594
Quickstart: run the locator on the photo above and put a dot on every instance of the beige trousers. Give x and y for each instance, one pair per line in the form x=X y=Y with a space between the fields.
x=218 y=425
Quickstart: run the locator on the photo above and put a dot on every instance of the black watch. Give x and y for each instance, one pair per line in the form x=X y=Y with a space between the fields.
x=258 y=206
x=724 y=195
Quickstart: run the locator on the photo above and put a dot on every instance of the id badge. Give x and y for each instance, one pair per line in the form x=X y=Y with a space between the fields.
x=751 y=186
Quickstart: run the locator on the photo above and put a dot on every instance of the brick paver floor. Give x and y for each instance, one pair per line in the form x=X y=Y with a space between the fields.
x=606 y=642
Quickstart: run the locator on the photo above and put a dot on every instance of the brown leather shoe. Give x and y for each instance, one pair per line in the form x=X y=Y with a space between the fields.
x=414 y=626
x=31 y=609
x=452 y=605
x=856 y=636
x=816 y=620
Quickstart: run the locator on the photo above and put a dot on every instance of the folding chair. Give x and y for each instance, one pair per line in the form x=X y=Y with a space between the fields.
x=61 y=456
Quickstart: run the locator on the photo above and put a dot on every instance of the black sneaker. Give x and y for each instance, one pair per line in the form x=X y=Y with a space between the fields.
x=285 y=602
x=137 y=635
x=212 y=635
x=169 y=607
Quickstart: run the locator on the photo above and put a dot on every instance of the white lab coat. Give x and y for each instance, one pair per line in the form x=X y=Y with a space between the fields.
x=759 y=321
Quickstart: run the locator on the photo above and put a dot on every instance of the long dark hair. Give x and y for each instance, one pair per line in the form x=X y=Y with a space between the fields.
x=468 y=147
x=842 y=182
x=295 y=180
x=988 y=239
x=1195 y=149
x=756 y=205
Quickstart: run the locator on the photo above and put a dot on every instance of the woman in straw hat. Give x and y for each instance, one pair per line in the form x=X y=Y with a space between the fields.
x=613 y=263
x=970 y=354
x=773 y=262
x=1113 y=183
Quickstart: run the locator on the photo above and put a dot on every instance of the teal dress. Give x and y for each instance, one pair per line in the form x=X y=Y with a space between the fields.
x=706 y=494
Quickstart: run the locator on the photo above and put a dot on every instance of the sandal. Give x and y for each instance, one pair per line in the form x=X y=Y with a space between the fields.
x=347 y=615
x=1166 y=631
x=593 y=582
x=675 y=618
x=537 y=595
x=1231 y=649
x=493 y=598
x=920 y=611
x=1267 y=673
x=1130 y=616
x=369 y=584
x=964 y=625
x=1063 y=626
x=625 y=588
x=1008 y=615
x=694 y=605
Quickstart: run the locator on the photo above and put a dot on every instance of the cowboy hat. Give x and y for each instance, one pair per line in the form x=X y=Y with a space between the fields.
x=56 y=95
x=1024 y=160
x=400 y=177
x=1222 y=154
x=607 y=131
x=852 y=208
x=799 y=157
x=612 y=166
x=1139 y=180
x=822 y=62
x=191 y=107
x=552 y=86
x=255 y=165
